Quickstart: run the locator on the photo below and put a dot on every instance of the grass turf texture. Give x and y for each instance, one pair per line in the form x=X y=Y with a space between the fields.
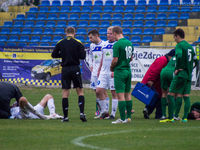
x=140 y=134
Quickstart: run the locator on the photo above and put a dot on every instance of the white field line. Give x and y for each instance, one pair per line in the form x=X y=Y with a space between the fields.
x=79 y=140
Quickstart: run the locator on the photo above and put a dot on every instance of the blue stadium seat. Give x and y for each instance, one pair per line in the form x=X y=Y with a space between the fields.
x=175 y=2
x=103 y=31
x=186 y=2
x=74 y=17
x=44 y=44
x=97 y=9
x=126 y=31
x=24 y=38
x=108 y=9
x=98 y=3
x=55 y=3
x=48 y=31
x=63 y=17
x=20 y=17
x=109 y=3
x=50 y=24
x=172 y=24
x=23 y=44
x=18 y=24
x=56 y=39
x=37 y=31
x=45 y=3
x=184 y=16
x=164 y=2
x=148 y=31
x=196 y=8
x=29 y=24
x=52 y=16
x=141 y=2
x=35 y=39
x=94 y=24
x=196 y=2
x=83 y=24
x=13 y=38
x=161 y=23
x=2 y=44
x=172 y=16
x=163 y=9
x=119 y=9
x=116 y=23
x=5 y=31
x=173 y=9
x=138 y=24
x=76 y=9
x=44 y=10
x=72 y=23
x=127 y=24
x=161 y=16
x=33 y=10
x=129 y=9
x=84 y=17
x=42 y=17
x=3 y=38
x=137 y=31
x=139 y=17
x=61 y=24
x=159 y=31
x=15 y=31
x=81 y=31
x=153 y=3
x=59 y=31
x=31 y=17
x=86 y=9
x=77 y=3
x=151 y=9
x=87 y=3
x=149 y=24
x=8 y=24
x=147 y=39
x=106 y=17
x=46 y=39
x=185 y=9
x=104 y=24
x=26 y=31
x=81 y=38
x=39 y=24
x=33 y=44
x=140 y=9
x=136 y=39
x=150 y=16
x=130 y=3
x=65 y=10
x=11 y=44
x=136 y=44
x=128 y=16
x=66 y=3
x=104 y=38
x=54 y=10
x=95 y=17
x=117 y=17
x=120 y=3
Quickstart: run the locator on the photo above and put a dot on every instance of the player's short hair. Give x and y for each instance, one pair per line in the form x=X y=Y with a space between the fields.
x=70 y=30
x=93 y=32
x=117 y=29
x=179 y=32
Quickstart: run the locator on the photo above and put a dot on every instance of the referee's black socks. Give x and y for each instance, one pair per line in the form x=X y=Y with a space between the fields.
x=65 y=106
x=81 y=103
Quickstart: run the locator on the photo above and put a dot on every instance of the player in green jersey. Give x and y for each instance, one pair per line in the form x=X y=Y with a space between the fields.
x=166 y=77
x=181 y=83
x=195 y=111
x=122 y=55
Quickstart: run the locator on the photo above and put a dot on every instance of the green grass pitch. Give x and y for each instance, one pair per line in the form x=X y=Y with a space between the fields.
x=140 y=134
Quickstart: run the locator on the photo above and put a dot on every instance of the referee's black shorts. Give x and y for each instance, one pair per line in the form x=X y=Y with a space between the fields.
x=71 y=74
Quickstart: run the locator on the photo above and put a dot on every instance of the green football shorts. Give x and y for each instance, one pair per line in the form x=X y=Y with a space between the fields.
x=122 y=81
x=180 y=86
x=166 y=79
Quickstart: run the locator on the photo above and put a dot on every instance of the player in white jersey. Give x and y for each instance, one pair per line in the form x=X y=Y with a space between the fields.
x=95 y=55
x=26 y=111
x=106 y=80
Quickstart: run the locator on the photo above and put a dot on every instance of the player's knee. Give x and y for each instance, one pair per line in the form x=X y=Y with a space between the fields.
x=48 y=96
x=23 y=101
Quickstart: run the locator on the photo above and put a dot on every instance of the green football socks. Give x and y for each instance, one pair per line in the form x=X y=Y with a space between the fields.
x=178 y=106
x=186 y=106
x=163 y=105
x=171 y=106
x=129 y=105
x=122 y=108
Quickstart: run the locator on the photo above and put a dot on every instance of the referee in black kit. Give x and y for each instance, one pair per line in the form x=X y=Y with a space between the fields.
x=71 y=51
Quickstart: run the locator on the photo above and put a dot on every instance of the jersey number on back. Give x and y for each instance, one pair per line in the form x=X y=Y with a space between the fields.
x=128 y=50
x=189 y=54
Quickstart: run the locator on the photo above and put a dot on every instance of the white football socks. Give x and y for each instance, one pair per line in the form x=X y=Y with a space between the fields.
x=102 y=104
x=51 y=106
x=107 y=103
x=114 y=106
